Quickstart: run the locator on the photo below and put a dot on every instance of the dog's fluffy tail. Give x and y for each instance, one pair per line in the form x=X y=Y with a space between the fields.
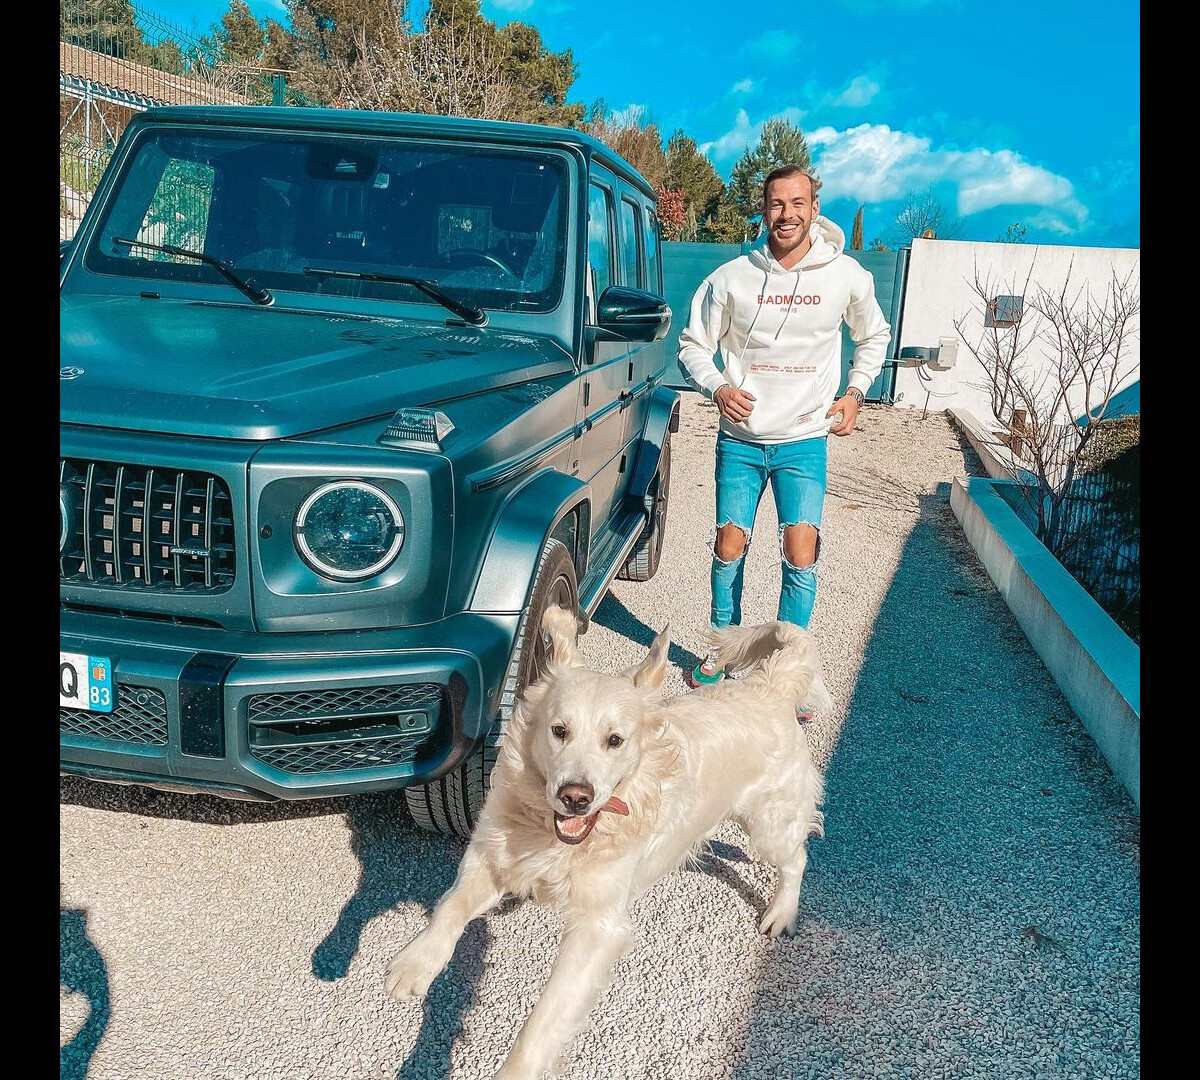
x=783 y=652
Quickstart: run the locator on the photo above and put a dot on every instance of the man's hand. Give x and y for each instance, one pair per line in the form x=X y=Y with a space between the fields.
x=732 y=403
x=847 y=405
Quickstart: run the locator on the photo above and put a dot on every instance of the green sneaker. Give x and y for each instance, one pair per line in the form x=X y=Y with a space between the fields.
x=707 y=672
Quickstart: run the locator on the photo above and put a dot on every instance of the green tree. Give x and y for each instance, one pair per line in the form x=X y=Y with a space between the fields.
x=856 y=233
x=691 y=172
x=544 y=76
x=330 y=39
x=779 y=143
x=239 y=38
x=727 y=226
x=877 y=244
x=1016 y=233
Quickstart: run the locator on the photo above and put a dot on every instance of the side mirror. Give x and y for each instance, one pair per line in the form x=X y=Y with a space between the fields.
x=63 y=247
x=633 y=314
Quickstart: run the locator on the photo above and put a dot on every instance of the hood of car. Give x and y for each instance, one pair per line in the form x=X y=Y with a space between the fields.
x=239 y=372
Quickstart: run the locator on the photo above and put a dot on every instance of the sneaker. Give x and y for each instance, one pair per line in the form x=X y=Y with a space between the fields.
x=804 y=714
x=707 y=672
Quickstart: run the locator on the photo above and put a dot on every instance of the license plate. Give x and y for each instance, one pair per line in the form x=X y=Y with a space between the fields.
x=85 y=682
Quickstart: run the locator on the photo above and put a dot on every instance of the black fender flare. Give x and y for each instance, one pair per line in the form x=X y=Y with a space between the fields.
x=663 y=417
x=527 y=521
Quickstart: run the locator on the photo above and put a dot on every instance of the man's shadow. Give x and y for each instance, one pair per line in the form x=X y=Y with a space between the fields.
x=615 y=616
x=81 y=970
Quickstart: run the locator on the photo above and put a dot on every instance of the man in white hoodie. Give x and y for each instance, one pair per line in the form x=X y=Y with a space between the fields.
x=775 y=315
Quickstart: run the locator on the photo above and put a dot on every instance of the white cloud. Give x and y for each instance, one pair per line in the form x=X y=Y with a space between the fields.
x=631 y=116
x=861 y=91
x=743 y=87
x=873 y=163
x=743 y=133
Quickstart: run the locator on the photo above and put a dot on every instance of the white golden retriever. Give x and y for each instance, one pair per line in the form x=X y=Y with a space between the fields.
x=601 y=790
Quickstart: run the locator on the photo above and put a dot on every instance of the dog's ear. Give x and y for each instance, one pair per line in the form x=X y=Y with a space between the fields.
x=560 y=628
x=649 y=674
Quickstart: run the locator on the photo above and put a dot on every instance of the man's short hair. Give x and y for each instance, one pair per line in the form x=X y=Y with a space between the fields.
x=786 y=171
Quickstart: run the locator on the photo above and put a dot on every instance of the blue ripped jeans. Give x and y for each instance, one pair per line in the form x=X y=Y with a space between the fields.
x=796 y=472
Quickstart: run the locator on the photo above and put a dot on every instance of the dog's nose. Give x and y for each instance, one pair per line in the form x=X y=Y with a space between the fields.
x=576 y=797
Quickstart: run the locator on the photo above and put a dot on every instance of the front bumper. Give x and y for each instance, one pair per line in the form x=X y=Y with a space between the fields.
x=284 y=716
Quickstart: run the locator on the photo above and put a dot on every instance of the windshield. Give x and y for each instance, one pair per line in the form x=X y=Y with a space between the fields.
x=487 y=226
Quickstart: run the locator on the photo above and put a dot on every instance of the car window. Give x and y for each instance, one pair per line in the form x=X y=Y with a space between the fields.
x=630 y=247
x=600 y=258
x=318 y=213
x=650 y=233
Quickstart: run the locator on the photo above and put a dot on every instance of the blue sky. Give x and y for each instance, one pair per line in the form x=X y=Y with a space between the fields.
x=1023 y=111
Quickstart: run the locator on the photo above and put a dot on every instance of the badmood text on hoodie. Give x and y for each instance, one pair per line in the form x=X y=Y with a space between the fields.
x=779 y=335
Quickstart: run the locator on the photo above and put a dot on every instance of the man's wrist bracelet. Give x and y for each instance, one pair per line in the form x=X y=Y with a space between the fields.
x=857 y=394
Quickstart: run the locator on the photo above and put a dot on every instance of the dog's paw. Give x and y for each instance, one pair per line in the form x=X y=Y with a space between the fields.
x=409 y=975
x=779 y=922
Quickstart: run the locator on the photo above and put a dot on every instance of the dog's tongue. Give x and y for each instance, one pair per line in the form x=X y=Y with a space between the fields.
x=616 y=806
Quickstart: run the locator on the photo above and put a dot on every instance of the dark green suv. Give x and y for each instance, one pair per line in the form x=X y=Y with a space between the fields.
x=346 y=400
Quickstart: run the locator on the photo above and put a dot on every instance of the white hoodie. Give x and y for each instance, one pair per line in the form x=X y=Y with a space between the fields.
x=780 y=335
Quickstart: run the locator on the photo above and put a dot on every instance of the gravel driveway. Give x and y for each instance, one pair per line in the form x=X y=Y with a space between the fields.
x=974 y=910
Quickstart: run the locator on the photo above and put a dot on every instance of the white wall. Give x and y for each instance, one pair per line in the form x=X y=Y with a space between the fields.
x=940 y=289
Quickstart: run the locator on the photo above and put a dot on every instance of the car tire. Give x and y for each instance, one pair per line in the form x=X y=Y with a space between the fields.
x=452 y=804
x=642 y=563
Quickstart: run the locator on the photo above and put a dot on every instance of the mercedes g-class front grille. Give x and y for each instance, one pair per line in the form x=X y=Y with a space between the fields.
x=136 y=526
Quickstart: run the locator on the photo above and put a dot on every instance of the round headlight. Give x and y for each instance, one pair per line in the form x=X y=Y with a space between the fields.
x=349 y=530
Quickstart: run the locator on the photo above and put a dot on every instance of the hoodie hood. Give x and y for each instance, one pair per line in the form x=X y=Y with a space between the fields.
x=828 y=242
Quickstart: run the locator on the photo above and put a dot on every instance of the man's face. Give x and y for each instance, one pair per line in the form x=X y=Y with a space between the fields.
x=789 y=211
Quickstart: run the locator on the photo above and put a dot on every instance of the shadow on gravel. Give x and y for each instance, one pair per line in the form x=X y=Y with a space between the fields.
x=401 y=863
x=202 y=809
x=81 y=970
x=974 y=908
x=615 y=616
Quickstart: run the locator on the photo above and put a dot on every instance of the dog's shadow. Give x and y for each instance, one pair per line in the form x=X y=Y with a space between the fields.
x=715 y=859
x=615 y=616
x=401 y=863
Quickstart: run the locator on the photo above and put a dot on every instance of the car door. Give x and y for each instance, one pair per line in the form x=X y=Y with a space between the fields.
x=606 y=375
x=640 y=270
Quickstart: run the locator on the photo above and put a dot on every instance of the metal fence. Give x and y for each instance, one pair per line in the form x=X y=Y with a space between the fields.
x=117 y=59
x=686 y=265
x=1102 y=539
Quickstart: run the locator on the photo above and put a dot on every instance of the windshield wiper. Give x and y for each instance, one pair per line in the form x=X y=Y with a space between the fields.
x=244 y=284
x=475 y=316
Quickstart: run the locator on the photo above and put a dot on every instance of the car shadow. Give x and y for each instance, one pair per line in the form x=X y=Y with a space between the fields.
x=81 y=970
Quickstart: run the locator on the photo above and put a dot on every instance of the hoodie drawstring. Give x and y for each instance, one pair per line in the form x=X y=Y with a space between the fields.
x=761 y=298
x=791 y=299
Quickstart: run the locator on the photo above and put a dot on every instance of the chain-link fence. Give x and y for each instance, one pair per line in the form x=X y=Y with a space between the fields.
x=117 y=59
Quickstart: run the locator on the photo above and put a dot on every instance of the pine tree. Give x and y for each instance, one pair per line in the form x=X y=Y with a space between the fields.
x=239 y=38
x=856 y=234
x=691 y=172
x=780 y=143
